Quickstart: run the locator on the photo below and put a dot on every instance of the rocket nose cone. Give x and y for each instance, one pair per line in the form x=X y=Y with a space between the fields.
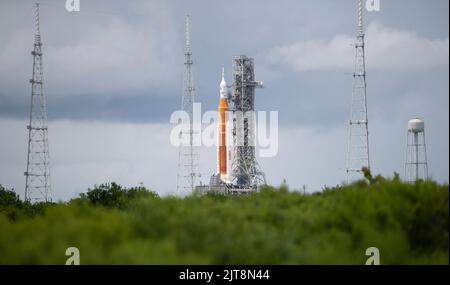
x=223 y=83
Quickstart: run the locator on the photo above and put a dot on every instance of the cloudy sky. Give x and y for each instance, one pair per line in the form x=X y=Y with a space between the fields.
x=113 y=76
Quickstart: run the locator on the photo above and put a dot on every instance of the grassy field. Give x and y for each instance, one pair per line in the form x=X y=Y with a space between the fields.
x=112 y=225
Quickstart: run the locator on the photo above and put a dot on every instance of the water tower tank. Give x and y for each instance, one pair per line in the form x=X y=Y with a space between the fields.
x=416 y=125
x=416 y=166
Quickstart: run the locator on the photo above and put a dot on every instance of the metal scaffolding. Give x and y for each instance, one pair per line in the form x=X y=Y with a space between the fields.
x=358 y=142
x=188 y=171
x=37 y=185
x=245 y=169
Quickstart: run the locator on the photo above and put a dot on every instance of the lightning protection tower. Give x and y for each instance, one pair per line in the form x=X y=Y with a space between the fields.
x=188 y=171
x=358 y=142
x=37 y=186
x=245 y=169
x=416 y=166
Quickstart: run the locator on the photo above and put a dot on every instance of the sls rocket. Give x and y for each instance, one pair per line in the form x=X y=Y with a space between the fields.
x=223 y=164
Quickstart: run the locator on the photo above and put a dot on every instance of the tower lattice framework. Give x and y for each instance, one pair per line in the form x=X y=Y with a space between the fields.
x=245 y=169
x=37 y=186
x=358 y=142
x=188 y=169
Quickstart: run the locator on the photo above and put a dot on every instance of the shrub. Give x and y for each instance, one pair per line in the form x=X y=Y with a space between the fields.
x=408 y=223
x=114 y=195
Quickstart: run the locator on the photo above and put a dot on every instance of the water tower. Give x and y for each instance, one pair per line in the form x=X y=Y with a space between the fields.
x=416 y=154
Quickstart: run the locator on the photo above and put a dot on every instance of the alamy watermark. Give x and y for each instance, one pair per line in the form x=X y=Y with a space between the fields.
x=373 y=5
x=73 y=5
x=374 y=256
x=74 y=256
x=261 y=131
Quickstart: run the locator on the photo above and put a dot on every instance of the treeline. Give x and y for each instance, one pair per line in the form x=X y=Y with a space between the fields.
x=13 y=207
x=110 y=224
x=109 y=195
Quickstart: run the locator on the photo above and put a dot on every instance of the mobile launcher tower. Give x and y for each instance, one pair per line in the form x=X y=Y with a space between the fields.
x=245 y=175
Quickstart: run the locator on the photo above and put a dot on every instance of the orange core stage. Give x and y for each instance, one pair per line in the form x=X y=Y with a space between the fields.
x=222 y=148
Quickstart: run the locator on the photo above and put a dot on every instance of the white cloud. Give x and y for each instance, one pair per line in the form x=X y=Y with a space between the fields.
x=386 y=48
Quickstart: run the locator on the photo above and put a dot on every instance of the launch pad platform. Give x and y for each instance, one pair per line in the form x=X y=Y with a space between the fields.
x=217 y=186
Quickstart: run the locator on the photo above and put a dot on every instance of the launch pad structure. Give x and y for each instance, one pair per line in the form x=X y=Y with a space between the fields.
x=246 y=175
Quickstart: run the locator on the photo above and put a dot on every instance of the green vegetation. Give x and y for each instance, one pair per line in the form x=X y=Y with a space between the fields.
x=114 y=225
x=12 y=207
x=114 y=195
